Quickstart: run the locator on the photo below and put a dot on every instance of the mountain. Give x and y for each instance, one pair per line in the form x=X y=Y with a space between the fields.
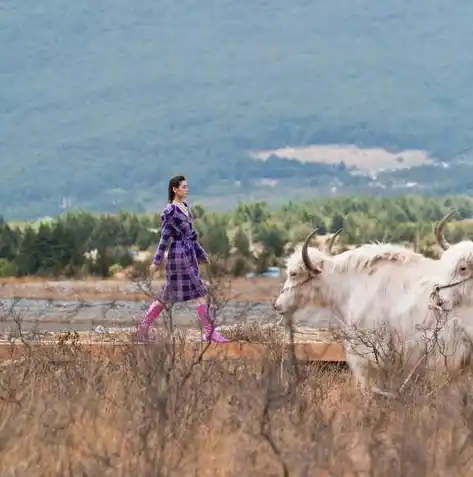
x=101 y=102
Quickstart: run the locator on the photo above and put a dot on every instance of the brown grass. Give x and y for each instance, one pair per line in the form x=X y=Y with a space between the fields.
x=257 y=290
x=154 y=413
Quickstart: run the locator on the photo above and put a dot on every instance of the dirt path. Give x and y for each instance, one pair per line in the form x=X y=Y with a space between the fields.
x=257 y=290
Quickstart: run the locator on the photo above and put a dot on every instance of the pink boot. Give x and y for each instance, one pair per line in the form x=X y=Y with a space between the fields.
x=153 y=312
x=206 y=320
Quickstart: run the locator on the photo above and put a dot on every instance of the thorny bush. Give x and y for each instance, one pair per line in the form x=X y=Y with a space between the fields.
x=161 y=412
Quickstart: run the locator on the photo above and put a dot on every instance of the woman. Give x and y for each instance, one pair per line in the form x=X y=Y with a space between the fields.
x=183 y=282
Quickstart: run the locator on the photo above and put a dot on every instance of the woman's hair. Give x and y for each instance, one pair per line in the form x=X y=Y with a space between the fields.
x=174 y=182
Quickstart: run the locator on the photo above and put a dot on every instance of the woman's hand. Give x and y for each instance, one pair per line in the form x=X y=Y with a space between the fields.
x=153 y=268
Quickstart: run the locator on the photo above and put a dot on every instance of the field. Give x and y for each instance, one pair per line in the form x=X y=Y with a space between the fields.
x=157 y=412
x=367 y=160
x=100 y=405
x=253 y=290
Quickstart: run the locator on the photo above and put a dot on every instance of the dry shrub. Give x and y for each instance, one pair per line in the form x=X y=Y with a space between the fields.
x=158 y=412
x=254 y=333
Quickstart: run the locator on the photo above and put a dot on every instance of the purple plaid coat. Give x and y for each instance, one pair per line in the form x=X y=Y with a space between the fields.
x=183 y=282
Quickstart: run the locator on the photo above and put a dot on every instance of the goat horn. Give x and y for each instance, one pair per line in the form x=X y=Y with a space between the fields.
x=441 y=240
x=329 y=243
x=305 y=255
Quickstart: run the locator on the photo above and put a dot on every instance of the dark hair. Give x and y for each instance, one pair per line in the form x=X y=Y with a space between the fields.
x=174 y=182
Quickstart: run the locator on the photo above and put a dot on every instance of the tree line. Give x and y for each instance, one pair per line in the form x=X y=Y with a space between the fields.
x=249 y=238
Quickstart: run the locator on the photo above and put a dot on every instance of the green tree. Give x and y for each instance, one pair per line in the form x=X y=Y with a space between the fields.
x=27 y=260
x=242 y=243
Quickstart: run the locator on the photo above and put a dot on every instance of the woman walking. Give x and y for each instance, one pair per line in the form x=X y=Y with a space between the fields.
x=183 y=282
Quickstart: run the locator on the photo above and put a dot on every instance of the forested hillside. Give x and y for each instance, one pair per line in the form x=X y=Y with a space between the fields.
x=102 y=101
x=249 y=238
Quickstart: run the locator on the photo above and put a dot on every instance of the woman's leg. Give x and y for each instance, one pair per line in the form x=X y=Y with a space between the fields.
x=210 y=333
x=145 y=324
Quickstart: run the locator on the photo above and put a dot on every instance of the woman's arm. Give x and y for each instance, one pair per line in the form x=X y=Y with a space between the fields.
x=166 y=233
x=200 y=252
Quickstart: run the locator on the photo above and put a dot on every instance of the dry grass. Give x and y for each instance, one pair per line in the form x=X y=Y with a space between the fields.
x=157 y=414
x=257 y=290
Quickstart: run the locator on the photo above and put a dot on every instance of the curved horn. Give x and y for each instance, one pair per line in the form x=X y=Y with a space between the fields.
x=329 y=243
x=441 y=240
x=305 y=255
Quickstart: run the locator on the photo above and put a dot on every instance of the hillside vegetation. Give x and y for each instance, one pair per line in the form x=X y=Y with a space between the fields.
x=249 y=238
x=103 y=101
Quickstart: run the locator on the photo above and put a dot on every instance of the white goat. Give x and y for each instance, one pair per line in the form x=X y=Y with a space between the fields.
x=363 y=260
x=457 y=264
x=326 y=250
x=372 y=284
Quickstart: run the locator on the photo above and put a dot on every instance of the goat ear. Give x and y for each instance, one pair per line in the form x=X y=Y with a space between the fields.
x=318 y=269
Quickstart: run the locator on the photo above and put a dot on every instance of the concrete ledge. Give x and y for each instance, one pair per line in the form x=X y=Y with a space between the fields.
x=255 y=343
x=329 y=351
